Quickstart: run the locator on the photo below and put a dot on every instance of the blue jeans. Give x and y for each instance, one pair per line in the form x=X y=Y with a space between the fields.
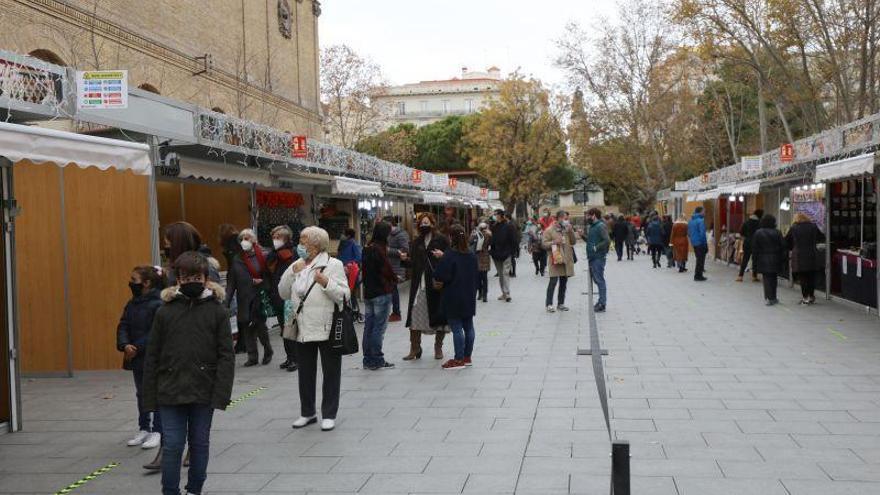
x=144 y=415
x=187 y=423
x=597 y=270
x=463 y=336
x=375 y=323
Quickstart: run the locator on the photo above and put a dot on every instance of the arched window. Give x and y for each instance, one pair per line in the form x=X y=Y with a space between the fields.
x=149 y=87
x=47 y=56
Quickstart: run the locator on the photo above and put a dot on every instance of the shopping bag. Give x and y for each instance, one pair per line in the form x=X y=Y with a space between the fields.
x=343 y=337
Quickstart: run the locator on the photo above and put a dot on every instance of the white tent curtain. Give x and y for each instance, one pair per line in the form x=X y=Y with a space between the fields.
x=434 y=198
x=356 y=187
x=496 y=205
x=848 y=167
x=747 y=188
x=704 y=195
x=726 y=188
x=220 y=172
x=39 y=145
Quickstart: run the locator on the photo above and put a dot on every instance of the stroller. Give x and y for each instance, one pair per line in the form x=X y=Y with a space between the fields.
x=353 y=273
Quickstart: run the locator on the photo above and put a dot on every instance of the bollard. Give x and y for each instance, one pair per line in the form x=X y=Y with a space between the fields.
x=620 y=467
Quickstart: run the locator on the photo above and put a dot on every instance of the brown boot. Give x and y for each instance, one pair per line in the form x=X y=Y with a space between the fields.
x=438 y=345
x=415 y=346
x=155 y=464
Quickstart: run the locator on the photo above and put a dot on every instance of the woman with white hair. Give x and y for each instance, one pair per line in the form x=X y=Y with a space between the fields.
x=247 y=277
x=316 y=284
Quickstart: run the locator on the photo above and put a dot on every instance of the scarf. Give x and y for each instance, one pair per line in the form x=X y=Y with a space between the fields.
x=480 y=240
x=305 y=277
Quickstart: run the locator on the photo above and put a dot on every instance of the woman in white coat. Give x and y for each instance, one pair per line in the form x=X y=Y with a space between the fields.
x=315 y=283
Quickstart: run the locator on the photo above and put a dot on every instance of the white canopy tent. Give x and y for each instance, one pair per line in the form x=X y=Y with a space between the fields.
x=848 y=167
x=41 y=145
x=752 y=187
x=356 y=187
x=704 y=195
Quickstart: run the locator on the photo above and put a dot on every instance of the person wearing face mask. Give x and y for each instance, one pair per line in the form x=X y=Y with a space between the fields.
x=315 y=284
x=178 y=238
x=246 y=279
x=505 y=242
x=283 y=255
x=479 y=245
x=559 y=241
x=598 y=243
x=189 y=369
x=424 y=313
x=132 y=337
x=349 y=250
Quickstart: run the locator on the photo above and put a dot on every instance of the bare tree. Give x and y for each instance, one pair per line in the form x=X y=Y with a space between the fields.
x=347 y=82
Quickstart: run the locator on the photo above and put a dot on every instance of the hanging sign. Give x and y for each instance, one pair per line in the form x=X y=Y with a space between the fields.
x=102 y=89
x=453 y=183
x=299 y=147
x=786 y=153
x=416 y=176
x=751 y=163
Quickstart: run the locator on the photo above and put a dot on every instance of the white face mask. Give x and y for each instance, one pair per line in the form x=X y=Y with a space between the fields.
x=278 y=243
x=246 y=245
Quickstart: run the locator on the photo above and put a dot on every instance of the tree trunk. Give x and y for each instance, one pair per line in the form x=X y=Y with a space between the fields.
x=762 y=114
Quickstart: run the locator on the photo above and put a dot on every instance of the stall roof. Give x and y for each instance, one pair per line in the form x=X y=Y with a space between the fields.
x=37 y=144
x=848 y=167
x=434 y=198
x=747 y=187
x=221 y=172
x=356 y=187
x=704 y=195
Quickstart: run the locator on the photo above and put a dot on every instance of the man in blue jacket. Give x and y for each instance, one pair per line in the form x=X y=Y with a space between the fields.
x=597 y=251
x=697 y=236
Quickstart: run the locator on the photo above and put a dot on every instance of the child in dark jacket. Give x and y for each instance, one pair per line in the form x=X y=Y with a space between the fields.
x=189 y=369
x=132 y=336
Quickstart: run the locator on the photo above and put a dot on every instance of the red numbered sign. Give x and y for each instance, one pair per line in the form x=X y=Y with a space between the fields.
x=298 y=147
x=417 y=176
x=786 y=152
x=453 y=182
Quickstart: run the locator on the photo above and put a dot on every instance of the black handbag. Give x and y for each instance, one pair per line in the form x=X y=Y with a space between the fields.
x=343 y=337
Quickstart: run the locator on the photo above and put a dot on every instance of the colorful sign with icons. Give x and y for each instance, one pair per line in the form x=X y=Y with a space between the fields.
x=102 y=89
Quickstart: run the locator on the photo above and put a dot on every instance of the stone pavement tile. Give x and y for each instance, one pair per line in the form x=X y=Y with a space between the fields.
x=339 y=482
x=812 y=454
x=703 y=468
x=484 y=464
x=544 y=448
x=808 y=427
x=804 y=487
x=26 y=465
x=640 y=485
x=742 y=486
x=647 y=413
x=514 y=448
x=283 y=464
x=852 y=428
x=446 y=424
x=850 y=471
x=722 y=440
x=838 y=405
x=556 y=465
x=490 y=484
x=731 y=414
x=699 y=426
x=633 y=425
x=871 y=416
x=342 y=447
x=799 y=415
x=794 y=469
x=687 y=403
x=415 y=483
x=381 y=464
x=410 y=448
x=730 y=453
x=869 y=455
x=836 y=441
x=541 y=484
x=664 y=438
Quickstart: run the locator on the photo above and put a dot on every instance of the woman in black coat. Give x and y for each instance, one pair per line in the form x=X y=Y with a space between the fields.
x=802 y=239
x=768 y=248
x=425 y=252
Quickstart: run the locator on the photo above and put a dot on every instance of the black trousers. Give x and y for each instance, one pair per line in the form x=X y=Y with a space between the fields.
x=770 y=283
x=331 y=368
x=700 y=252
x=747 y=255
x=808 y=284
x=551 y=287
x=513 y=266
x=656 y=251
x=618 y=246
x=539 y=258
x=482 y=284
x=252 y=332
x=630 y=249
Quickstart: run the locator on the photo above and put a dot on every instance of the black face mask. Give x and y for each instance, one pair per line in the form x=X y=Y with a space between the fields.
x=192 y=290
x=136 y=289
x=425 y=229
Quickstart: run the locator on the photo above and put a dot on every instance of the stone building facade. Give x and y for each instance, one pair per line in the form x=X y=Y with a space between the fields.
x=255 y=59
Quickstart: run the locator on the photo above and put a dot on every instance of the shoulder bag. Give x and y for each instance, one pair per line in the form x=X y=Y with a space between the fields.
x=343 y=336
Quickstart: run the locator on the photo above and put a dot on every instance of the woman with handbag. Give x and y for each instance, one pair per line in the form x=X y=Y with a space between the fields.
x=424 y=314
x=316 y=285
x=559 y=240
x=457 y=274
x=248 y=280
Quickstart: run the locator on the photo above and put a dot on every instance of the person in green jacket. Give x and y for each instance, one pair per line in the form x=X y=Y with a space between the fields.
x=598 y=243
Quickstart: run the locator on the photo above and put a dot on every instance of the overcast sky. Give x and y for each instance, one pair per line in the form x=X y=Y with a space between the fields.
x=415 y=40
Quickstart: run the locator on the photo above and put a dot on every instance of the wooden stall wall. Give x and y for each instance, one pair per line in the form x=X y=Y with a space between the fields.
x=168 y=199
x=108 y=232
x=209 y=206
x=39 y=261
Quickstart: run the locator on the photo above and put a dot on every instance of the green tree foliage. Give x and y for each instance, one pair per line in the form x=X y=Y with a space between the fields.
x=439 y=146
x=396 y=144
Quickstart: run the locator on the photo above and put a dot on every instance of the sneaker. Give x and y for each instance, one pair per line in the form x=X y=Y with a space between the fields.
x=303 y=421
x=394 y=317
x=551 y=309
x=328 y=424
x=386 y=366
x=250 y=362
x=501 y=297
x=453 y=364
x=599 y=308
x=138 y=439
x=268 y=358
x=507 y=298
x=700 y=279
x=152 y=441
x=562 y=307
x=291 y=367
x=468 y=362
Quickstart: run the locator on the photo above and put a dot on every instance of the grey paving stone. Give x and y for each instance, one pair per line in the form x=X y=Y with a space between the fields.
x=415 y=483
x=698 y=486
x=811 y=487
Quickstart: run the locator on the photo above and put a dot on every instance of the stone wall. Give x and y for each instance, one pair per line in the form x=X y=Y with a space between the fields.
x=257 y=73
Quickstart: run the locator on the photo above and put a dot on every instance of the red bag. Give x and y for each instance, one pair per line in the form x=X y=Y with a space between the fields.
x=353 y=272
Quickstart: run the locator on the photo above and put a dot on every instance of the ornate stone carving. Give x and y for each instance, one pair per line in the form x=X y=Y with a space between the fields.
x=316 y=8
x=285 y=18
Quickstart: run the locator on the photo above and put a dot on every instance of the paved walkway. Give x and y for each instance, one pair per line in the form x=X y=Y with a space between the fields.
x=717 y=394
